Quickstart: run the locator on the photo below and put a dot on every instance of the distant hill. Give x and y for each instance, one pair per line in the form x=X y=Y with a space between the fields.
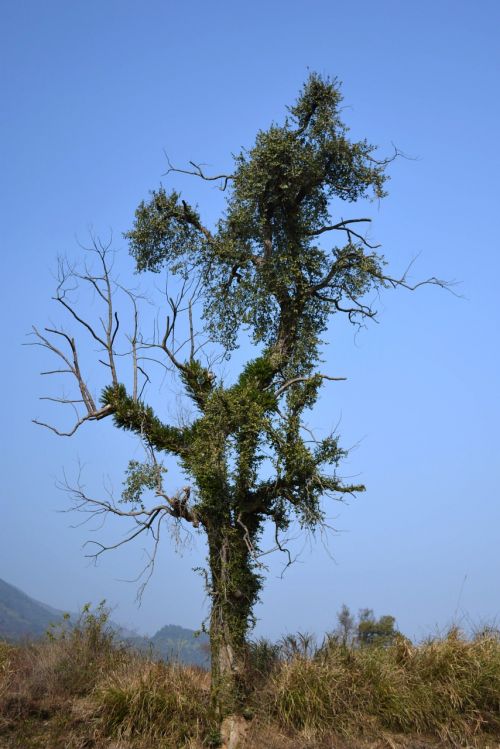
x=176 y=643
x=21 y=618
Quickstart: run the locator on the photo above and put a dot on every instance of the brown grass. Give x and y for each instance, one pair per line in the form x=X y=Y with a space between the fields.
x=78 y=689
x=447 y=689
x=163 y=704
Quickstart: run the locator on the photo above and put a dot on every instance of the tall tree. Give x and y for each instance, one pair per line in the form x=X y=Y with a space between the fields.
x=276 y=267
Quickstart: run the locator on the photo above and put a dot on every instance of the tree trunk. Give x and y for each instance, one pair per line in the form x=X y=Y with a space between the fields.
x=234 y=588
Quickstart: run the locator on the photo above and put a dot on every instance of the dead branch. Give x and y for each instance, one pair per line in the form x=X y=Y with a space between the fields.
x=359 y=309
x=283 y=549
x=93 y=413
x=96 y=416
x=256 y=553
x=145 y=520
x=346 y=226
x=433 y=281
x=198 y=172
x=169 y=343
x=70 y=279
x=295 y=380
x=111 y=324
x=389 y=159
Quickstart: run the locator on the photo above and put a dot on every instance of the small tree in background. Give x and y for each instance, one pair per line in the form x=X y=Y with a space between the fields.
x=276 y=267
x=373 y=631
x=346 y=625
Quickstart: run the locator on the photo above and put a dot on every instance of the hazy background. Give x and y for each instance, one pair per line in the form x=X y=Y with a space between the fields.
x=92 y=93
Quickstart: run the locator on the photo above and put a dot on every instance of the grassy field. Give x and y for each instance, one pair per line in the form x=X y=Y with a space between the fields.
x=78 y=689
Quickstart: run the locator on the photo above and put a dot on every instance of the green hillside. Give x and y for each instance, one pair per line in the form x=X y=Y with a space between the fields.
x=22 y=617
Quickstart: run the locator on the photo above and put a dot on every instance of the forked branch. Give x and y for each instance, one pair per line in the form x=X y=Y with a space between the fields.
x=197 y=171
x=346 y=226
x=314 y=377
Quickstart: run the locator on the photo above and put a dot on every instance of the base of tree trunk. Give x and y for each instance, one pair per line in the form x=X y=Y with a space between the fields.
x=233 y=731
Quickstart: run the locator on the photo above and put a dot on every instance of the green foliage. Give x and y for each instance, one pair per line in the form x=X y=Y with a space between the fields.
x=141 y=476
x=166 y=226
x=264 y=255
x=372 y=631
x=136 y=417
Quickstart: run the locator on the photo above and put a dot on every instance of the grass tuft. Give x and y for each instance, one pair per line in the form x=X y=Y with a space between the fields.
x=156 y=701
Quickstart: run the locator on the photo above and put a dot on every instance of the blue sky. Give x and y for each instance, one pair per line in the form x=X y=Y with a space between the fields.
x=92 y=95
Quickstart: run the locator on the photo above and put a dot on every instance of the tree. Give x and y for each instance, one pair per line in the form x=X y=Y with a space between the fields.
x=346 y=625
x=275 y=267
x=372 y=631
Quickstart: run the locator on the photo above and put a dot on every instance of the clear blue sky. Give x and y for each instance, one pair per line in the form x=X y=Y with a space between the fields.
x=91 y=95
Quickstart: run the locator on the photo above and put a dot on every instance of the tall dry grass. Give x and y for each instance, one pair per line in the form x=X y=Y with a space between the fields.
x=163 y=704
x=85 y=688
x=447 y=688
x=81 y=688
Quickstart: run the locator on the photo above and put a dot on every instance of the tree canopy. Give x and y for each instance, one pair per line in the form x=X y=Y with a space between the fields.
x=263 y=267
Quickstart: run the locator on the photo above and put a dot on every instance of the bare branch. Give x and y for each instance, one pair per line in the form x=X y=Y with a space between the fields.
x=167 y=341
x=60 y=400
x=52 y=371
x=83 y=322
x=95 y=416
x=145 y=520
x=69 y=280
x=294 y=380
x=111 y=325
x=191 y=332
x=433 y=281
x=389 y=159
x=341 y=226
x=198 y=172
x=73 y=366
x=283 y=549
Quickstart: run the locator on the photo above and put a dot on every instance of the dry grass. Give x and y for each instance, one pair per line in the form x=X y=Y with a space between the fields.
x=79 y=690
x=165 y=704
x=447 y=688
